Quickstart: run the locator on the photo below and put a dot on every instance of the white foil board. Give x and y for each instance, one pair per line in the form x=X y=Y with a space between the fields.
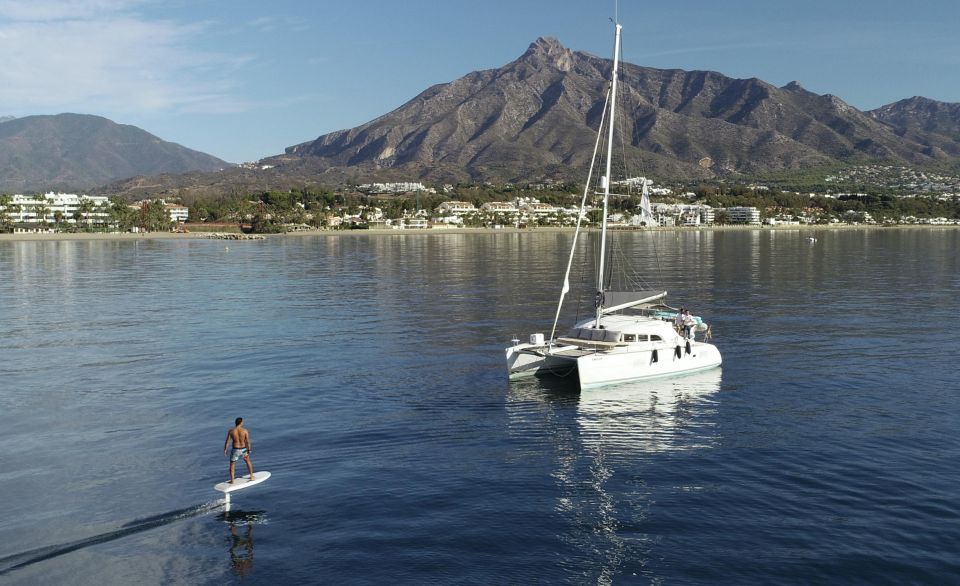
x=242 y=482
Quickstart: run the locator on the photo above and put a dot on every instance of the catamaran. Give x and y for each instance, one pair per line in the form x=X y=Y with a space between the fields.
x=631 y=336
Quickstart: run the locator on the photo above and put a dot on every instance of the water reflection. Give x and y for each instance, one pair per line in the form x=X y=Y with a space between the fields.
x=601 y=443
x=653 y=416
x=669 y=414
x=241 y=538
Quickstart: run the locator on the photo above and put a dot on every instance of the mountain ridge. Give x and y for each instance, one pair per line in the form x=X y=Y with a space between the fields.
x=537 y=107
x=80 y=151
x=535 y=118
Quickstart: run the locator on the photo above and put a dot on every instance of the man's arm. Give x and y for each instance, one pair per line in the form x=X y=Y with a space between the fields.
x=225 y=442
x=249 y=443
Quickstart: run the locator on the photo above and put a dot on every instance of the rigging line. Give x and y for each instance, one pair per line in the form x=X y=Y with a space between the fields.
x=581 y=289
x=625 y=118
x=656 y=255
x=576 y=234
x=621 y=128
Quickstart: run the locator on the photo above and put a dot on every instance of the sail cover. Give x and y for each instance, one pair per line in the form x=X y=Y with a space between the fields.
x=617 y=300
x=645 y=202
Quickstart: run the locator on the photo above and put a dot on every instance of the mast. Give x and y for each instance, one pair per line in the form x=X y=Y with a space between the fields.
x=605 y=180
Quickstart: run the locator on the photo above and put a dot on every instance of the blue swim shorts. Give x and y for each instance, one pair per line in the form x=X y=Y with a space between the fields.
x=236 y=454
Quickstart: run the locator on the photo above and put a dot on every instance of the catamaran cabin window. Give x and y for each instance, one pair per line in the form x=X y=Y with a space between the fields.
x=656 y=338
x=629 y=338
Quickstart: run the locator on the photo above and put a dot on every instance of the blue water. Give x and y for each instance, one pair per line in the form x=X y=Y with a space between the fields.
x=369 y=371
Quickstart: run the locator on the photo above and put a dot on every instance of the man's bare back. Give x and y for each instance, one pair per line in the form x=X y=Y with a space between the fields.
x=239 y=437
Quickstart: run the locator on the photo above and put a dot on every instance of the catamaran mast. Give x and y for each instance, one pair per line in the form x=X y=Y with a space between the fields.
x=606 y=178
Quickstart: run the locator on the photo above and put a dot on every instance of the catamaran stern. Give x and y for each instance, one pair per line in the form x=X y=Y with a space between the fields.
x=525 y=360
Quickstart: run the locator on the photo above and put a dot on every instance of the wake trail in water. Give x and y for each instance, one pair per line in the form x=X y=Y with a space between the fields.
x=34 y=556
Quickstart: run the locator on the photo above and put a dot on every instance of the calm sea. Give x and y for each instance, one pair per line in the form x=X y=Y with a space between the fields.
x=370 y=372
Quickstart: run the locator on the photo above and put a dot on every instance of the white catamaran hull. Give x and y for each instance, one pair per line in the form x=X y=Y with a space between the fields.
x=599 y=368
x=605 y=368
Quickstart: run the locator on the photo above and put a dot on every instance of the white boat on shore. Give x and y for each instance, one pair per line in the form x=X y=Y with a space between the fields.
x=631 y=336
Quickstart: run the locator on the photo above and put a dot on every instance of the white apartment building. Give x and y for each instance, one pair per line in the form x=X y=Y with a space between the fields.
x=178 y=213
x=36 y=209
x=743 y=215
x=499 y=207
x=675 y=214
x=414 y=224
x=401 y=187
x=456 y=208
x=538 y=209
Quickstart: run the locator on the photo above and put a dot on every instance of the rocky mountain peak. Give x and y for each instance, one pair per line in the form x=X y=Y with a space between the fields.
x=547 y=51
x=533 y=118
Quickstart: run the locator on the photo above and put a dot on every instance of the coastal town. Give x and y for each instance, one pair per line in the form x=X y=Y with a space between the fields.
x=414 y=206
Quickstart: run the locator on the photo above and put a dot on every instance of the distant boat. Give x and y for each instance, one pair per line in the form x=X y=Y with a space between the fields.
x=631 y=336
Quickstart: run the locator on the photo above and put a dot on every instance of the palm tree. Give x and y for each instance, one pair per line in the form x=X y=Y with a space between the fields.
x=84 y=210
x=122 y=215
x=41 y=209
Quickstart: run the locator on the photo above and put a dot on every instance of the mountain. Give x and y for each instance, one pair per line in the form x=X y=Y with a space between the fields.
x=78 y=151
x=924 y=121
x=536 y=117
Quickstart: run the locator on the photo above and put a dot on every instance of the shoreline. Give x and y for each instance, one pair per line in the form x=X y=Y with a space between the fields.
x=43 y=237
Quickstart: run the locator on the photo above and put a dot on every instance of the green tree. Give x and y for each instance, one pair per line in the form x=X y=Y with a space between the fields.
x=41 y=209
x=84 y=212
x=123 y=216
x=154 y=217
x=6 y=222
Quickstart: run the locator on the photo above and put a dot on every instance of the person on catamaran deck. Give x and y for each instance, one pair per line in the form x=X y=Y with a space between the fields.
x=242 y=447
x=689 y=324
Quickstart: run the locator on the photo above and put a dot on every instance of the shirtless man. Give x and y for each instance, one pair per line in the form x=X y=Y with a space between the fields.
x=241 y=447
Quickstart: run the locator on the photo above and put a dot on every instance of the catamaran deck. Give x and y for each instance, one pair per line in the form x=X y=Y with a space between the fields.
x=573 y=353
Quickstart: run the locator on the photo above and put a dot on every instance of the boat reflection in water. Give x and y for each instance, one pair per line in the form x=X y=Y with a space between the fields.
x=662 y=415
x=635 y=418
x=608 y=453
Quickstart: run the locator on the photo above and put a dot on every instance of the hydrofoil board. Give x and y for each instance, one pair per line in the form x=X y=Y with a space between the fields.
x=242 y=482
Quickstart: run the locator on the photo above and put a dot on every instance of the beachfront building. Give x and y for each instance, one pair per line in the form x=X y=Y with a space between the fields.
x=31 y=211
x=744 y=215
x=456 y=208
x=178 y=213
x=676 y=214
x=413 y=223
x=854 y=217
x=452 y=212
x=519 y=211
x=537 y=209
x=499 y=207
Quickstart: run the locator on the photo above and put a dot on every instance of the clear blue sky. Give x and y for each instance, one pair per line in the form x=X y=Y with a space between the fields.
x=242 y=80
